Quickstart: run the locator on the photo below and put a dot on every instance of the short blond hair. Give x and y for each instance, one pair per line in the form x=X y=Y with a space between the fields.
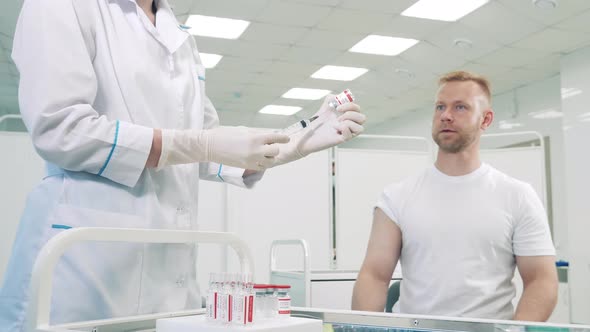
x=465 y=76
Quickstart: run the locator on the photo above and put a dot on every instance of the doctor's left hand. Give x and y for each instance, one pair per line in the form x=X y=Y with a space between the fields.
x=332 y=127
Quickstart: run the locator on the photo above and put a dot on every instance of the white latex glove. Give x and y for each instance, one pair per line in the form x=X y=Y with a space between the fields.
x=232 y=146
x=329 y=129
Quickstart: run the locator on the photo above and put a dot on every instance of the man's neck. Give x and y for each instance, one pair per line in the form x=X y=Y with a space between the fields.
x=457 y=164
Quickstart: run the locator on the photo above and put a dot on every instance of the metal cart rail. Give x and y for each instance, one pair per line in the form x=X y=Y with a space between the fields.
x=42 y=277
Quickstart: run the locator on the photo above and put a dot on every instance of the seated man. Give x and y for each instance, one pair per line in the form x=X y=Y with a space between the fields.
x=460 y=227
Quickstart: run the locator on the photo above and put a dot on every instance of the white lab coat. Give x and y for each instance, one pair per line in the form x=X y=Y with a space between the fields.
x=93 y=85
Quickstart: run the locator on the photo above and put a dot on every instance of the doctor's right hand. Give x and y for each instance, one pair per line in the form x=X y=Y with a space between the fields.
x=233 y=146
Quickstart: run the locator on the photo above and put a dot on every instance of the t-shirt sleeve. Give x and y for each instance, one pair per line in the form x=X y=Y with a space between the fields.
x=532 y=236
x=388 y=202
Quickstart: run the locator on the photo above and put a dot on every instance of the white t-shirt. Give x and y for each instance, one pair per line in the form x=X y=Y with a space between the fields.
x=460 y=236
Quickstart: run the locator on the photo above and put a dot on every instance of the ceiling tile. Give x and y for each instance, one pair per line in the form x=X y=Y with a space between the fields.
x=257 y=50
x=233 y=63
x=215 y=77
x=432 y=58
x=344 y=21
x=481 y=44
x=565 y=9
x=214 y=45
x=246 y=10
x=413 y=99
x=324 y=3
x=333 y=40
x=550 y=62
x=501 y=23
x=518 y=77
x=512 y=57
x=554 y=40
x=410 y=27
x=274 y=34
x=486 y=70
x=362 y=60
x=286 y=13
x=181 y=7
x=310 y=55
x=576 y=23
x=380 y=6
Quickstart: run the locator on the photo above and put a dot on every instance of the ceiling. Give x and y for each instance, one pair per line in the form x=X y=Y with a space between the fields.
x=514 y=43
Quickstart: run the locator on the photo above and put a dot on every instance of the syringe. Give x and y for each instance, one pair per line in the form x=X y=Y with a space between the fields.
x=301 y=124
x=342 y=98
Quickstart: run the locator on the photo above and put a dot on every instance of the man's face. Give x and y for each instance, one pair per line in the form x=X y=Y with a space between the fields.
x=459 y=115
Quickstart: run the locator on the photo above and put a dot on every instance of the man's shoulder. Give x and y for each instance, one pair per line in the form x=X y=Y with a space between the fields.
x=508 y=182
x=408 y=183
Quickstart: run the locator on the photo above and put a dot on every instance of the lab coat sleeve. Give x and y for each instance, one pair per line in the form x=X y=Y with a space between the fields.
x=53 y=53
x=215 y=172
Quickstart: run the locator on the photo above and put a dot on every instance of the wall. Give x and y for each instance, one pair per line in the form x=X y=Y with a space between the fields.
x=575 y=79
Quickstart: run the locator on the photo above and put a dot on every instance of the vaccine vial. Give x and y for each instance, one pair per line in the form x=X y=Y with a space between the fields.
x=271 y=309
x=341 y=99
x=212 y=294
x=283 y=301
x=240 y=300
x=259 y=302
x=224 y=300
x=250 y=295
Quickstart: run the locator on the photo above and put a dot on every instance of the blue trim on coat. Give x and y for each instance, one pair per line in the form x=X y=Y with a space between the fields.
x=112 y=149
x=219 y=173
x=57 y=226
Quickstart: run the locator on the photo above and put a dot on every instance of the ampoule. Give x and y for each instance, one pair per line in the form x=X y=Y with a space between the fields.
x=342 y=98
x=240 y=301
x=212 y=296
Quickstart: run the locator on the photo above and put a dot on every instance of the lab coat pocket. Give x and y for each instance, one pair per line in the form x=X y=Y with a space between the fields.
x=96 y=280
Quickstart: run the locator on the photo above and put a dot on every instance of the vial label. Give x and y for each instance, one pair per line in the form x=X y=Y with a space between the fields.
x=284 y=305
x=229 y=308
x=215 y=304
x=250 y=308
x=210 y=306
x=222 y=307
x=239 y=307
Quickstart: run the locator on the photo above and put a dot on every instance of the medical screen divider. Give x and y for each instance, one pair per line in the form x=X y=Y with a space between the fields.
x=361 y=175
x=291 y=201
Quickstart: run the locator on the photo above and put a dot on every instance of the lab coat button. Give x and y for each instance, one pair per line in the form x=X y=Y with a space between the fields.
x=180 y=282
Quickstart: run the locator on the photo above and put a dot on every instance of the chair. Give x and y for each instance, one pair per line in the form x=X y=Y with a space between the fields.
x=392 y=295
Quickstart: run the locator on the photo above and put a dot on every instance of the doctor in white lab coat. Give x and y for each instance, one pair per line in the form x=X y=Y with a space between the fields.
x=113 y=95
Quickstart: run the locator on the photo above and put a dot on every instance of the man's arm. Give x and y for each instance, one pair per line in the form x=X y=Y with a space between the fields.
x=385 y=243
x=539 y=295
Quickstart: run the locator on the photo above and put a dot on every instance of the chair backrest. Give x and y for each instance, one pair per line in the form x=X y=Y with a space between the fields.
x=392 y=295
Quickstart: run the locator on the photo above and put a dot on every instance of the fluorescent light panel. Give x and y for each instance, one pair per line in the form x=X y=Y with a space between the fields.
x=339 y=73
x=383 y=45
x=210 y=60
x=216 y=27
x=306 y=94
x=443 y=10
x=569 y=92
x=509 y=125
x=546 y=114
x=280 y=110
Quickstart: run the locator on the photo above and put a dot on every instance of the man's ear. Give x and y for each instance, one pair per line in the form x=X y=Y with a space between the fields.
x=487 y=118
